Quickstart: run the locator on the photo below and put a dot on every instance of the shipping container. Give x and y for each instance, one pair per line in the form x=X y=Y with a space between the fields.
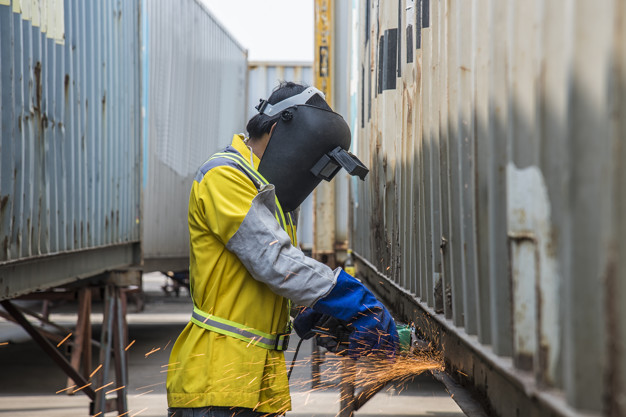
x=70 y=148
x=493 y=215
x=194 y=99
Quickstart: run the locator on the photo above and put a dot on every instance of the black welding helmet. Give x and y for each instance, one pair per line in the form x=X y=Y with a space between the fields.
x=308 y=144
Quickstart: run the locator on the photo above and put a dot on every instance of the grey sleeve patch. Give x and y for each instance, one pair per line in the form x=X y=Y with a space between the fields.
x=267 y=253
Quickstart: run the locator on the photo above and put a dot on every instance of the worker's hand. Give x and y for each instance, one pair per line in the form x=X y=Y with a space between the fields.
x=373 y=329
x=330 y=333
x=374 y=333
x=305 y=321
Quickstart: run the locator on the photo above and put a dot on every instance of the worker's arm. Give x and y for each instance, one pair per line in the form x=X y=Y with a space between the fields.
x=266 y=251
x=244 y=221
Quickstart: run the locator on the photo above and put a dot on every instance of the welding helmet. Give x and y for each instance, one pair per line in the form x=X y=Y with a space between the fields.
x=308 y=144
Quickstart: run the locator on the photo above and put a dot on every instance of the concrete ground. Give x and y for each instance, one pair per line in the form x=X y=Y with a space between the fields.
x=29 y=379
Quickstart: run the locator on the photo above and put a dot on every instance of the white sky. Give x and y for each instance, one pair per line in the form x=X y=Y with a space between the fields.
x=271 y=30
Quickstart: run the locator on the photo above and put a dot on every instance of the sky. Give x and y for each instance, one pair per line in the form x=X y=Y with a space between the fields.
x=271 y=30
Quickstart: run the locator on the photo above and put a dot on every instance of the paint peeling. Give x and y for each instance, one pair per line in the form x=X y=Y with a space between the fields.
x=536 y=281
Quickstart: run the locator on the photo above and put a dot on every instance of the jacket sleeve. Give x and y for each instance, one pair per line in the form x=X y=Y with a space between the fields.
x=267 y=253
x=223 y=197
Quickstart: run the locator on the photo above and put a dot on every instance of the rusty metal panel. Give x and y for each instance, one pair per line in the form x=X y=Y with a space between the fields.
x=195 y=76
x=495 y=200
x=70 y=110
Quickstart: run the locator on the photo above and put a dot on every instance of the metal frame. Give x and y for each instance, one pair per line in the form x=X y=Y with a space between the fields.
x=22 y=277
x=112 y=343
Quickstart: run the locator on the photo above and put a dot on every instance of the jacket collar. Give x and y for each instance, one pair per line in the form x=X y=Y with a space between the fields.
x=244 y=150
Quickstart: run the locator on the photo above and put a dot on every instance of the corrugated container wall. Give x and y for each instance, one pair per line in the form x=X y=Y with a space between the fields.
x=495 y=132
x=70 y=149
x=195 y=100
x=263 y=78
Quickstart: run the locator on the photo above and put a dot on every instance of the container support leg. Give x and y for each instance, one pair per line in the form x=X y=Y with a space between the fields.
x=112 y=342
x=82 y=342
x=48 y=347
x=347 y=401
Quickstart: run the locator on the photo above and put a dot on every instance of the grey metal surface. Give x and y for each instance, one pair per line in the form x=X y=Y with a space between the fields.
x=494 y=208
x=195 y=96
x=70 y=154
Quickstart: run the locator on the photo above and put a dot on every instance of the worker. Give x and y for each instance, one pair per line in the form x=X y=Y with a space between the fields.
x=245 y=267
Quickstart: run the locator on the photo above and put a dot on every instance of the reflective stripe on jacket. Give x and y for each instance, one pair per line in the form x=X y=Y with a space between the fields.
x=211 y=369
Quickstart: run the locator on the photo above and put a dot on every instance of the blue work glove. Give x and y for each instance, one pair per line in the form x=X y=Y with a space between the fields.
x=329 y=332
x=374 y=331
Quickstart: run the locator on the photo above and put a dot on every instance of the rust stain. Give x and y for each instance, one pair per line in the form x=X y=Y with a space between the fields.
x=67 y=86
x=3 y=203
x=38 y=89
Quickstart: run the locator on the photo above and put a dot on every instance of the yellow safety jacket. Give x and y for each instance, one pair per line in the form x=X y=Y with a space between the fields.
x=212 y=363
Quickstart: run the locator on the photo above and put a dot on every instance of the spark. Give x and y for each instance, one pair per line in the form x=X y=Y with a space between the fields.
x=276 y=241
x=169 y=364
x=139 y=412
x=4 y=343
x=144 y=393
x=387 y=268
x=150 y=386
x=104 y=386
x=462 y=373
x=63 y=341
x=289 y=274
x=84 y=386
x=167 y=344
x=152 y=351
x=192 y=400
x=116 y=389
x=171 y=369
x=95 y=371
x=64 y=389
x=129 y=345
x=96 y=415
x=123 y=414
x=253 y=379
